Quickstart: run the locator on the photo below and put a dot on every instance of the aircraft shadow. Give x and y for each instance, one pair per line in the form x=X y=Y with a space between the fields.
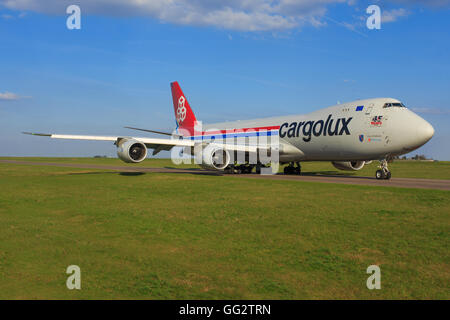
x=190 y=169
x=124 y=173
x=199 y=171
x=333 y=174
x=140 y=173
x=131 y=173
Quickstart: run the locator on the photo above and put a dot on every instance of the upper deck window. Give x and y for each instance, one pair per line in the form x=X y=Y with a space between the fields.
x=394 y=104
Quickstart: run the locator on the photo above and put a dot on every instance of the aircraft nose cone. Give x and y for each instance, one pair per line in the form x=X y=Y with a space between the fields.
x=425 y=131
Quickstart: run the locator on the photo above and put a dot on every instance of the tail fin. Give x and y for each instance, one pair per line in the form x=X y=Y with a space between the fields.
x=183 y=113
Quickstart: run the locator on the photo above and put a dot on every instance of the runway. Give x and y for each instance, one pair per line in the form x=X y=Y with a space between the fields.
x=367 y=181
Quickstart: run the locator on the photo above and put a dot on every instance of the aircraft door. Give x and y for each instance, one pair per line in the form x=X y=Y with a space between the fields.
x=377 y=122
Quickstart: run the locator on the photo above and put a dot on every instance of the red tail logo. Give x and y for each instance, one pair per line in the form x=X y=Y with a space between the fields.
x=183 y=113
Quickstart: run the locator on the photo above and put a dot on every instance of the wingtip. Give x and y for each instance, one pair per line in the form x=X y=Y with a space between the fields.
x=37 y=134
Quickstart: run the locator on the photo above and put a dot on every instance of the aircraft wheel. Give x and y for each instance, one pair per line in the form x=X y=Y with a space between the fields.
x=384 y=173
x=289 y=170
x=297 y=170
x=379 y=174
x=246 y=169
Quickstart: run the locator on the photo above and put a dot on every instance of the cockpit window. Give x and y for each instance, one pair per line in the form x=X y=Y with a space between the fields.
x=394 y=104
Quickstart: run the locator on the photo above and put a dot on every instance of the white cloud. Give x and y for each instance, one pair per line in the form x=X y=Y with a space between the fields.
x=241 y=15
x=429 y=3
x=393 y=15
x=10 y=96
x=6 y=16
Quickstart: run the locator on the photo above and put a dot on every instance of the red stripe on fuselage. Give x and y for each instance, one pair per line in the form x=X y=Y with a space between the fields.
x=241 y=130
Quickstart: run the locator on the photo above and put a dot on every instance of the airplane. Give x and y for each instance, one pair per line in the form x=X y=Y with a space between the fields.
x=349 y=135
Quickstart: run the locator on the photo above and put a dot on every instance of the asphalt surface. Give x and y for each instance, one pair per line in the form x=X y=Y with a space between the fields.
x=368 y=181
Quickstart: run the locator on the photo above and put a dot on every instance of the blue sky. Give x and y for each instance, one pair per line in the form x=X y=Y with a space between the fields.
x=233 y=59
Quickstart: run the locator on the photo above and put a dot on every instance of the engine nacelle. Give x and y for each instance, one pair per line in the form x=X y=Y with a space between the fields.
x=131 y=151
x=214 y=157
x=349 y=165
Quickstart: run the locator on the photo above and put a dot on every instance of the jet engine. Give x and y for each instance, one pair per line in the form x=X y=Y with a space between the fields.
x=214 y=157
x=131 y=151
x=349 y=165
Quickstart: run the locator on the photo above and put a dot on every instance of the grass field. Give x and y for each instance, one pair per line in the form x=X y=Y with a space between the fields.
x=400 y=169
x=167 y=236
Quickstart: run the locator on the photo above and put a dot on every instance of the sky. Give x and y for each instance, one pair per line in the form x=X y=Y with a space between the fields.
x=233 y=59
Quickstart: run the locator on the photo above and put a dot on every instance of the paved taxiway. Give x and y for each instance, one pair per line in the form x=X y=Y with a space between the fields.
x=368 y=181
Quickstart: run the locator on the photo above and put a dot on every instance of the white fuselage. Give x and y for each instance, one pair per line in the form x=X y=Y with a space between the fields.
x=359 y=130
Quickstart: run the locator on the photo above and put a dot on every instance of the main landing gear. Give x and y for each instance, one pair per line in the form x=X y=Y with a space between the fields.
x=239 y=169
x=384 y=172
x=292 y=169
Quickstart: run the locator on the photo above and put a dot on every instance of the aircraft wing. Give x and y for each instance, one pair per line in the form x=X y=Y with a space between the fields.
x=153 y=143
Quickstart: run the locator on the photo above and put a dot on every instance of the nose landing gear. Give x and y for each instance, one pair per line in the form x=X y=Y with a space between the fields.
x=384 y=172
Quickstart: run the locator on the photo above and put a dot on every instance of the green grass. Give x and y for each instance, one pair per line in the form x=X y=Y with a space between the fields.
x=399 y=169
x=173 y=236
x=154 y=162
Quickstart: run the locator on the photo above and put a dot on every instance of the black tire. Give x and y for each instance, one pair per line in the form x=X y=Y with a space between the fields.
x=388 y=175
x=258 y=169
x=286 y=170
x=379 y=174
x=297 y=170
